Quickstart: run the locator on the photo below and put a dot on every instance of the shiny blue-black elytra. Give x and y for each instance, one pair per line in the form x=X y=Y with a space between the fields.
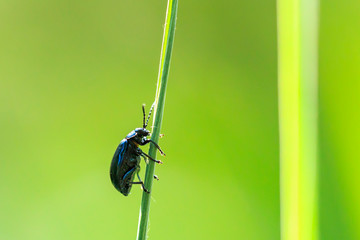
x=126 y=161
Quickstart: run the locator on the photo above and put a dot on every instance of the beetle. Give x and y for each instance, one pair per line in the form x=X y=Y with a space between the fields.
x=126 y=161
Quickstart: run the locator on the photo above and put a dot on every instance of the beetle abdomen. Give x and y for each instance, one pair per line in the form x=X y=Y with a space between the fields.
x=117 y=161
x=123 y=166
x=125 y=185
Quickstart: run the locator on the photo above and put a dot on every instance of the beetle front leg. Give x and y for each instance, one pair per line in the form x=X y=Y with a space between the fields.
x=156 y=145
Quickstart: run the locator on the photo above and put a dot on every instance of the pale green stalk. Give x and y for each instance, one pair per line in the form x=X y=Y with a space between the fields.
x=164 y=67
x=297 y=73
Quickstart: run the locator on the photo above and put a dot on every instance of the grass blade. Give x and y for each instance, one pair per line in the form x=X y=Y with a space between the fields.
x=164 y=67
x=297 y=53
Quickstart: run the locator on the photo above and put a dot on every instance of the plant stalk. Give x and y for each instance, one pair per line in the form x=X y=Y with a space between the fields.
x=164 y=67
x=297 y=83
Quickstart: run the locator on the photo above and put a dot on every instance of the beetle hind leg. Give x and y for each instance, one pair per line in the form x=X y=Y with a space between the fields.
x=142 y=185
x=141 y=182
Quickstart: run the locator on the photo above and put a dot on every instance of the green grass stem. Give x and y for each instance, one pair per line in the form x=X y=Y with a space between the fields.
x=297 y=68
x=164 y=67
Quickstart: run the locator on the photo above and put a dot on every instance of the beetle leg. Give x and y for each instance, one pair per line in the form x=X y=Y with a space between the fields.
x=142 y=183
x=157 y=161
x=146 y=157
x=156 y=145
x=146 y=161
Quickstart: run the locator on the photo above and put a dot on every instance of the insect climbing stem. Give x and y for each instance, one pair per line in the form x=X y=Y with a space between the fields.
x=126 y=161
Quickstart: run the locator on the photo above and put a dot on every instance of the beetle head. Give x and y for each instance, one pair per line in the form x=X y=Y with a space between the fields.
x=138 y=135
x=142 y=132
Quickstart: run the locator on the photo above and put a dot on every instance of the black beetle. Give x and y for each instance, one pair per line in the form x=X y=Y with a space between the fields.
x=126 y=160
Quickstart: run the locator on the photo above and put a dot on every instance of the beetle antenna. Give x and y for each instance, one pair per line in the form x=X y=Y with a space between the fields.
x=143 y=109
x=147 y=121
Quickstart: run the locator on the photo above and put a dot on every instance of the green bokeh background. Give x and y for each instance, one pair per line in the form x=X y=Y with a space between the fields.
x=73 y=76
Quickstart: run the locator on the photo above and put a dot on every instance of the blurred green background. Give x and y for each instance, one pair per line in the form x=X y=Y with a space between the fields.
x=73 y=76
